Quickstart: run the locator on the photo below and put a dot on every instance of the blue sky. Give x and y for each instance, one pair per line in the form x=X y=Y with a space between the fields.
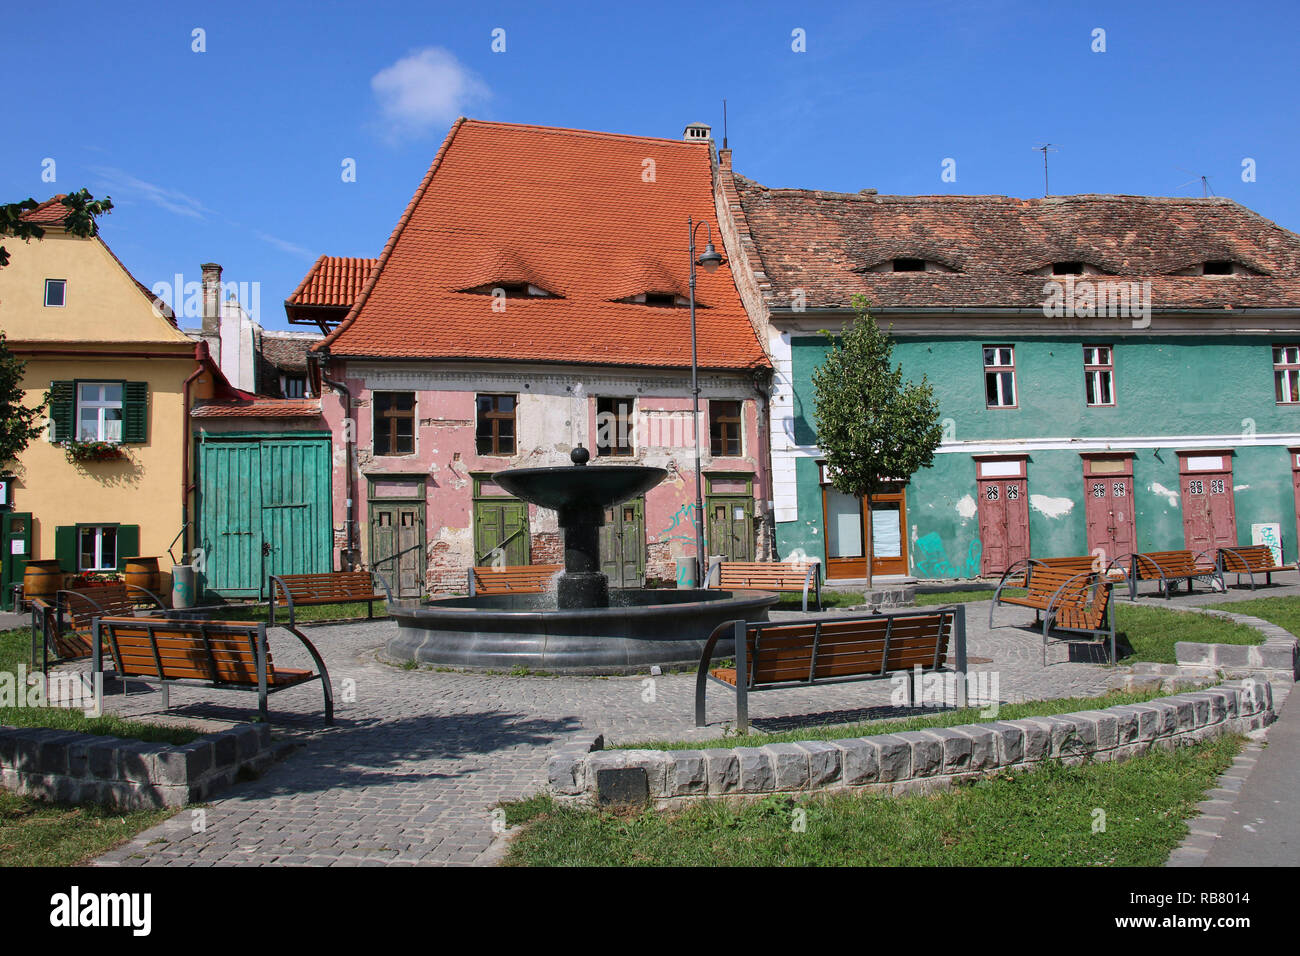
x=235 y=154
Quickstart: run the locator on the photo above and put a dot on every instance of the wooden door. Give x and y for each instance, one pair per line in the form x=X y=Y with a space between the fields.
x=397 y=528
x=887 y=519
x=1004 y=523
x=295 y=489
x=230 y=517
x=622 y=544
x=15 y=552
x=501 y=534
x=1209 y=515
x=1108 y=511
x=731 y=527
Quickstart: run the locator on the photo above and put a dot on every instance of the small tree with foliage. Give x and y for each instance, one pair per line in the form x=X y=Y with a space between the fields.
x=18 y=423
x=871 y=424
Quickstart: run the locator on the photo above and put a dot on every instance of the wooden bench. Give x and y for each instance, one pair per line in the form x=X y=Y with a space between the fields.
x=520 y=579
x=1045 y=585
x=222 y=655
x=330 y=587
x=776 y=655
x=1249 y=559
x=1087 y=610
x=1168 y=567
x=66 y=626
x=766 y=576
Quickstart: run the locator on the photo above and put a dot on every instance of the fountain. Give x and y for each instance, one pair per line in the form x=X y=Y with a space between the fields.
x=583 y=627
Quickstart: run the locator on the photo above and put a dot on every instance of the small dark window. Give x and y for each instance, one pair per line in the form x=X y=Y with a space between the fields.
x=661 y=299
x=614 y=426
x=394 y=423
x=495 y=434
x=724 y=429
x=1218 y=268
x=293 y=386
x=909 y=265
x=1067 y=268
x=54 y=292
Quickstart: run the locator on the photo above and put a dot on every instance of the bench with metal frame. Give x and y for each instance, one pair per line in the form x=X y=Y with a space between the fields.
x=329 y=587
x=515 y=579
x=220 y=655
x=1083 y=605
x=784 y=654
x=1043 y=583
x=70 y=637
x=1250 y=560
x=1170 y=566
x=767 y=576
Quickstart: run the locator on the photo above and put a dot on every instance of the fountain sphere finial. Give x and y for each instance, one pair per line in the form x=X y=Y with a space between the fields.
x=579 y=455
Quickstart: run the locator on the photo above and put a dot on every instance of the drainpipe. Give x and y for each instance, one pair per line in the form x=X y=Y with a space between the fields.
x=350 y=527
x=762 y=386
x=201 y=354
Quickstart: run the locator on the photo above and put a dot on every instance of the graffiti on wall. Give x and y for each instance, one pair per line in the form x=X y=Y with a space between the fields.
x=930 y=558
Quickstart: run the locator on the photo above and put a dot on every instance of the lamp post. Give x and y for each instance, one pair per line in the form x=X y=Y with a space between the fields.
x=709 y=260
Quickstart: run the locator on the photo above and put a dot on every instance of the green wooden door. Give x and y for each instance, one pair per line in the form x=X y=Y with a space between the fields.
x=396 y=527
x=731 y=527
x=15 y=551
x=501 y=532
x=622 y=544
x=264 y=508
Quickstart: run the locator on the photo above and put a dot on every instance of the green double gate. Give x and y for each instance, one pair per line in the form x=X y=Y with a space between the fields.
x=264 y=508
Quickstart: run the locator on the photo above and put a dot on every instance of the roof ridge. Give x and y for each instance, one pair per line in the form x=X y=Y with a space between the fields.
x=576 y=131
x=1001 y=198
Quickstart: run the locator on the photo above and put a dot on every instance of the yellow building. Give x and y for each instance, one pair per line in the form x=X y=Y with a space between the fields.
x=122 y=378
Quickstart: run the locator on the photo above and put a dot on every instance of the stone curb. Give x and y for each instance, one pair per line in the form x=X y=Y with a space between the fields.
x=69 y=767
x=922 y=760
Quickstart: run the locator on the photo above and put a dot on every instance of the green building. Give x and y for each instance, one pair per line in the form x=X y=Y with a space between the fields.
x=1115 y=373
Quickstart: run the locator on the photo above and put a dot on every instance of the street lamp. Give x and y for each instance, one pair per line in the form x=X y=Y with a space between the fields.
x=709 y=260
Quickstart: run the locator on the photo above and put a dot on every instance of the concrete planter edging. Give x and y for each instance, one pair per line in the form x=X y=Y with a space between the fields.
x=919 y=760
x=71 y=767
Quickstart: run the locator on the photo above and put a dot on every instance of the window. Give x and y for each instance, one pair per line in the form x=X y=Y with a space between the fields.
x=394 y=423
x=495 y=434
x=1286 y=374
x=97 y=548
x=909 y=265
x=293 y=386
x=99 y=411
x=1217 y=268
x=1067 y=268
x=1098 y=375
x=662 y=299
x=999 y=376
x=614 y=427
x=55 y=289
x=724 y=429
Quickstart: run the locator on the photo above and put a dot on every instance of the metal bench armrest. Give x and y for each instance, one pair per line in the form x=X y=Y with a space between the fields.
x=706 y=658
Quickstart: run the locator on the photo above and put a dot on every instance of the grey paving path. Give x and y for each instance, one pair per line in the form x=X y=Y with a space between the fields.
x=418 y=759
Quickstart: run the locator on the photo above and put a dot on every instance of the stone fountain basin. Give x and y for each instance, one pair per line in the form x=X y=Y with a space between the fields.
x=569 y=486
x=642 y=627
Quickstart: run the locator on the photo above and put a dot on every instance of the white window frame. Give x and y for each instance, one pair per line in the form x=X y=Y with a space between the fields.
x=1286 y=374
x=1000 y=369
x=102 y=405
x=98 y=532
x=62 y=282
x=1096 y=371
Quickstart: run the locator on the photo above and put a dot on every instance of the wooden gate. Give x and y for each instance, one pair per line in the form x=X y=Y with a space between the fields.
x=1003 y=513
x=15 y=552
x=1108 y=506
x=1209 y=513
x=622 y=544
x=264 y=508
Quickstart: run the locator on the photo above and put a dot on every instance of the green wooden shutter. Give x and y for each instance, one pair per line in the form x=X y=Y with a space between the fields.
x=128 y=543
x=135 y=411
x=63 y=410
x=65 y=548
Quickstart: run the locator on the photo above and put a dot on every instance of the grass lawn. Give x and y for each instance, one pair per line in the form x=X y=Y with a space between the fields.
x=1153 y=631
x=308 y=613
x=15 y=647
x=35 y=833
x=1040 y=818
x=942 y=718
x=1282 y=611
x=961 y=597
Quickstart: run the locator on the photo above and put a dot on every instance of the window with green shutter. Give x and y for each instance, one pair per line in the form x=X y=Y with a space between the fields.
x=135 y=411
x=95 y=547
x=79 y=401
x=63 y=411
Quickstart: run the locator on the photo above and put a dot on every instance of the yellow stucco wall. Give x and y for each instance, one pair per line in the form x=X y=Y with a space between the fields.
x=104 y=312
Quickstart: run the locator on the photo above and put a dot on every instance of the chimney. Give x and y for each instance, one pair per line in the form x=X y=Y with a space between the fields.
x=698 y=132
x=724 y=159
x=211 y=298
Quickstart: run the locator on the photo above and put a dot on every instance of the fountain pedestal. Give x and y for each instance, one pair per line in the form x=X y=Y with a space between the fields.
x=582 y=584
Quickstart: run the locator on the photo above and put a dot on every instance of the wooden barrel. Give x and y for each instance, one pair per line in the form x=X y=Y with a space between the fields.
x=142 y=573
x=42 y=579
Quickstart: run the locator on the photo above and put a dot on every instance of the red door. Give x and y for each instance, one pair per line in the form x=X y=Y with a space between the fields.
x=1004 y=523
x=1209 y=517
x=1108 y=508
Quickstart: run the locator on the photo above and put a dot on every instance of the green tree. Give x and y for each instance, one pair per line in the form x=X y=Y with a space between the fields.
x=871 y=424
x=19 y=424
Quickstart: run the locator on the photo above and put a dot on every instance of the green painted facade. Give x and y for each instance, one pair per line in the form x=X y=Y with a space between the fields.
x=1177 y=388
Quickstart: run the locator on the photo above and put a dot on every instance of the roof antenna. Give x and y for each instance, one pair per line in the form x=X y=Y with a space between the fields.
x=1046 y=148
x=1206 y=191
x=724 y=124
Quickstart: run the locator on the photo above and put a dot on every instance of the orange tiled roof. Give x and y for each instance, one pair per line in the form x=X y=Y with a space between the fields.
x=333 y=280
x=259 y=408
x=49 y=213
x=569 y=211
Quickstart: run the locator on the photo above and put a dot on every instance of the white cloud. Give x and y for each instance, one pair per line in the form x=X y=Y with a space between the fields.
x=424 y=91
x=285 y=246
x=123 y=185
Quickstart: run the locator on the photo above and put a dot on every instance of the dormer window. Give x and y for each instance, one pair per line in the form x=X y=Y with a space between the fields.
x=513 y=290
x=1217 y=267
x=909 y=265
x=662 y=300
x=1067 y=268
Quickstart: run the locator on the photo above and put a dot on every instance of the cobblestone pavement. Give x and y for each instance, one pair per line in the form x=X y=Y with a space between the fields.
x=416 y=762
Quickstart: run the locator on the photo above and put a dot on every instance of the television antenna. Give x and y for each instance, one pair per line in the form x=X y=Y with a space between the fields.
x=1206 y=191
x=1046 y=148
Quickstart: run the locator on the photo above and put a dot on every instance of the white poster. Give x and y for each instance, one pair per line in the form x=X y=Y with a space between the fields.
x=17 y=546
x=1269 y=534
